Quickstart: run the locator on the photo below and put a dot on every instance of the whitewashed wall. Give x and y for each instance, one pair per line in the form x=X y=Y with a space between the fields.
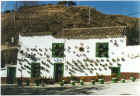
x=4 y=72
x=132 y=63
x=72 y=54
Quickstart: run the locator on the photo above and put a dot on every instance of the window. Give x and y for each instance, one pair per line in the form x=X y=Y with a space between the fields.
x=101 y=49
x=35 y=70
x=58 y=49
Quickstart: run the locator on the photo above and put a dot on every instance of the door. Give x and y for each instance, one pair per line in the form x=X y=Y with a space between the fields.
x=115 y=70
x=35 y=70
x=58 y=71
x=11 y=75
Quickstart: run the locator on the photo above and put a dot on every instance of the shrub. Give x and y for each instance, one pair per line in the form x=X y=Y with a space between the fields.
x=37 y=82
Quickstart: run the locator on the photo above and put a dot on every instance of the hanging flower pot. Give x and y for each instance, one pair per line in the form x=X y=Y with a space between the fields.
x=102 y=60
x=105 y=68
x=97 y=60
x=107 y=60
x=118 y=59
x=119 y=64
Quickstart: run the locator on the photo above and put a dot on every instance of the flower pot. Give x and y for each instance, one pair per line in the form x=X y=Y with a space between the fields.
x=61 y=84
x=27 y=82
x=101 y=81
x=93 y=82
x=81 y=82
x=37 y=82
x=132 y=78
x=19 y=82
x=123 y=81
x=73 y=83
x=114 y=80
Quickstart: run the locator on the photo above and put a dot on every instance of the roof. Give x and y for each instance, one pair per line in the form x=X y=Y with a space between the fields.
x=78 y=33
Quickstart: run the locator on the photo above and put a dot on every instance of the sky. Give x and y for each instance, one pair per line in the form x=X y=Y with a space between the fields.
x=129 y=8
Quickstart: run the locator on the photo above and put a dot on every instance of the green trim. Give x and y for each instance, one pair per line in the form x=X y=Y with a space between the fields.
x=11 y=74
x=60 y=50
x=102 y=49
x=118 y=72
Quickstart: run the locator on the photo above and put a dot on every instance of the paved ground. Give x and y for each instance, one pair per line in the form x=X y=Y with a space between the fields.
x=109 y=88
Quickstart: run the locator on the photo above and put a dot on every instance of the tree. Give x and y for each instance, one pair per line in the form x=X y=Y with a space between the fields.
x=71 y=3
x=62 y=3
x=66 y=3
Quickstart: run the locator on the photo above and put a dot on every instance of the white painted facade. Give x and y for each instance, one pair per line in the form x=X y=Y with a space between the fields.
x=73 y=54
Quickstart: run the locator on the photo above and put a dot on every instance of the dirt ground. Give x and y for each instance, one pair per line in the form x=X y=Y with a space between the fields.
x=108 y=88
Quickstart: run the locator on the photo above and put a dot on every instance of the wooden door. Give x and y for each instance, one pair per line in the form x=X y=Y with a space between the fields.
x=11 y=75
x=58 y=71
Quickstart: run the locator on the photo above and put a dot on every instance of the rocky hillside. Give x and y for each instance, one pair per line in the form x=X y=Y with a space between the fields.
x=53 y=18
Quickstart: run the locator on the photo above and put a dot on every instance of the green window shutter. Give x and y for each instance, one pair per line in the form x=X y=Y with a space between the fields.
x=102 y=49
x=58 y=50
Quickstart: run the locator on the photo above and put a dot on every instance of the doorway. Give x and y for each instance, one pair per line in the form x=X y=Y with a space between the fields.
x=35 y=70
x=11 y=75
x=58 y=71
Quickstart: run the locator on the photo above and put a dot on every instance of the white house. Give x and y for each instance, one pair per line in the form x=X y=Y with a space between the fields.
x=82 y=52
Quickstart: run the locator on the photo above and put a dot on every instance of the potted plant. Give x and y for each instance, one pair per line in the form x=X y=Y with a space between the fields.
x=93 y=82
x=37 y=82
x=82 y=81
x=123 y=80
x=132 y=78
x=61 y=83
x=27 y=82
x=100 y=79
